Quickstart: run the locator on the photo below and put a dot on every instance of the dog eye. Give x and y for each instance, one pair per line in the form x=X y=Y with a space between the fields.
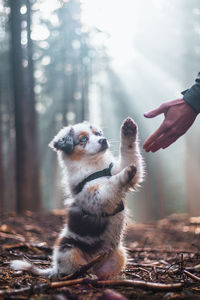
x=84 y=139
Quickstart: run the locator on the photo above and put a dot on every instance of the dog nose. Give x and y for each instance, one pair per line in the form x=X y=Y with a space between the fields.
x=103 y=142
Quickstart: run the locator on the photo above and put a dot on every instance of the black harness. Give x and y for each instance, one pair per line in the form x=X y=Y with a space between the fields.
x=118 y=209
x=105 y=172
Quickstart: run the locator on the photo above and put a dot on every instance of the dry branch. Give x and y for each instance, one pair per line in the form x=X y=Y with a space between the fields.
x=59 y=284
x=141 y=284
x=36 y=247
x=22 y=245
x=4 y=293
x=12 y=236
x=101 y=283
x=85 y=268
x=121 y=283
x=192 y=275
x=152 y=250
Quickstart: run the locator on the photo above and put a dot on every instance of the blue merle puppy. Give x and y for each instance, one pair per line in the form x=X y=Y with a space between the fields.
x=96 y=213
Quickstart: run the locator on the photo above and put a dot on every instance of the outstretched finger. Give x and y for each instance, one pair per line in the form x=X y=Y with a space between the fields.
x=155 y=112
x=159 y=145
x=163 y=108
x=161 y=141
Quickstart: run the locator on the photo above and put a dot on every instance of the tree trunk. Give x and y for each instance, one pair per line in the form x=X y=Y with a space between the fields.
x=2 y=186
x=25 y=190
x=33 y=142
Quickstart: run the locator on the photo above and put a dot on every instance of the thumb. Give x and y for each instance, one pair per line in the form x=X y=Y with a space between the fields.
x=153 y=113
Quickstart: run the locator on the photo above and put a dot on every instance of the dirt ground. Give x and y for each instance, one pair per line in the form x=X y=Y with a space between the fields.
x=164 y=261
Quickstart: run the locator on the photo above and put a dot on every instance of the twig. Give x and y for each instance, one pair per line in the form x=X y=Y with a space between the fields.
x=162 y=261
x=12 y=236
x=132 y=274
x=144 y=270
x=191 y=275
x=95 y=283
x=59 y=284
x=195 y=268
x=173 y=271
x=146 y=265
x=4 y=293
x=129 y=283
x=181 y=265
x=20 y=246
x=141 y=284
x=85 y=268
x=28 y=289
x=43 y=246
x=155 y=271
x=36 y=247
x=12 y=246
x=160 y=250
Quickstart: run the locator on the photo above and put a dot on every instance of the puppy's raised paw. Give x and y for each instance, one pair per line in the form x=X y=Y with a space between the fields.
x=126 y=175
x=129 y=128
x=131 y=171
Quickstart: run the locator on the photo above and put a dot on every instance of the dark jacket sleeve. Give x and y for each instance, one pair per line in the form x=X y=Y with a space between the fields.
x=192 y=95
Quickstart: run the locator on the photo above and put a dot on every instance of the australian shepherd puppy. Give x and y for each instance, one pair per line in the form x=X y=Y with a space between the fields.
x=96 y=213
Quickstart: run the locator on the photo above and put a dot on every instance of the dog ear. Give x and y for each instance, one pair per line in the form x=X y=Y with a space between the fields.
x=65 y=143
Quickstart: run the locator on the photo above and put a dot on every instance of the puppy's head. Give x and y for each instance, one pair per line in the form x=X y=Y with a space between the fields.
x=80 y=140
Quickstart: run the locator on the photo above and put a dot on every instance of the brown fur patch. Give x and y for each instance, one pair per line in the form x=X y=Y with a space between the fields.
x=77 y=154
x=112 y=265
x=93 y=188
x=112 y=205
x=77 y=257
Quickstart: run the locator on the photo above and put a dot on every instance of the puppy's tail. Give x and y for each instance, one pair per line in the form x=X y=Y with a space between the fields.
x=24 y=265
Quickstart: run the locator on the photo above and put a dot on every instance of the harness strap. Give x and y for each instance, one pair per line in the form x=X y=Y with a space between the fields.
x=118 y=209
x=105 y=172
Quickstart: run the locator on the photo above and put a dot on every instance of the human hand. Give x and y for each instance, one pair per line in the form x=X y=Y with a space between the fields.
x=179 y=116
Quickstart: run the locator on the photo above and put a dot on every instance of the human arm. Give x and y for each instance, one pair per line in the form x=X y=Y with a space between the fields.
x=179 y=116
x=192 y=95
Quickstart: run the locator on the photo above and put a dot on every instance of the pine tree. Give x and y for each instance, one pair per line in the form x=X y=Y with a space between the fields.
x=26 y=143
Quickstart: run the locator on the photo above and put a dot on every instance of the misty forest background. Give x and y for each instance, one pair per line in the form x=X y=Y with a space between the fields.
x=57 y=68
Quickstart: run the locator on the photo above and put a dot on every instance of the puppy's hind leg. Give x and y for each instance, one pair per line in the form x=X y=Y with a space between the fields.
x=112 y=264
x=67 y=260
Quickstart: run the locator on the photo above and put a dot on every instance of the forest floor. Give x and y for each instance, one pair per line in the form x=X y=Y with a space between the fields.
x=164 y=261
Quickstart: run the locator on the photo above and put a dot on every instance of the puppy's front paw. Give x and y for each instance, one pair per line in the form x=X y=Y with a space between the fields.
x=129 y=128
x=131 y=171
x=128 y=174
